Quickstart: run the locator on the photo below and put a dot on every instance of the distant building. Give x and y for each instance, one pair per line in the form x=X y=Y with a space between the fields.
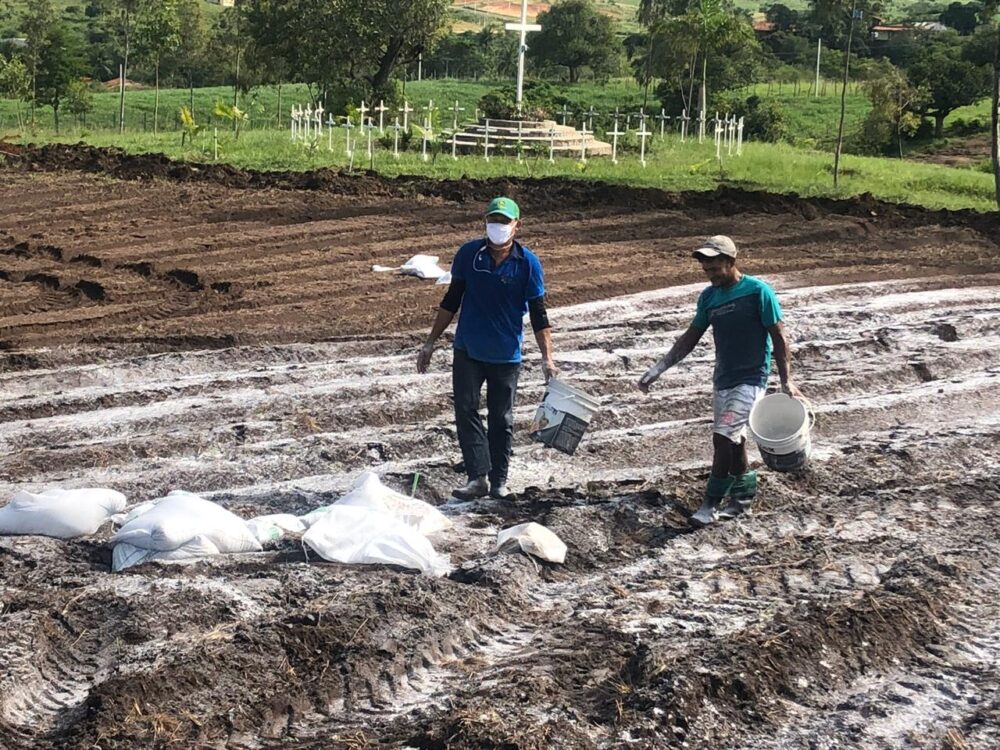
x=223 y=3
x=14 y=41
x=883 y=32
x=763 y=27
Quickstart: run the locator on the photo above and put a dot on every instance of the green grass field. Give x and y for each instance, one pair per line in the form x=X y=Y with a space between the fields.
x=671 y=166
x=811 y=120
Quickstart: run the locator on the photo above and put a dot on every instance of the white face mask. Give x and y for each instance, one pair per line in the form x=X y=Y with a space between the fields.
x=499 y=234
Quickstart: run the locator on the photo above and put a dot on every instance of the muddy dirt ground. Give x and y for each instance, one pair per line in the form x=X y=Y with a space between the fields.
x=222 y=333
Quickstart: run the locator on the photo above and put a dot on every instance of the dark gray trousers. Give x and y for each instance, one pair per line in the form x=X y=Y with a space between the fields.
x=486 y=452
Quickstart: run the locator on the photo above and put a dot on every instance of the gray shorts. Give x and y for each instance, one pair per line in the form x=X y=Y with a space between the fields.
x=732 y=410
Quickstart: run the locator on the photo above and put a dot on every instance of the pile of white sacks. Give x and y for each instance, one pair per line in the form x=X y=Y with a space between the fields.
x=371 y=524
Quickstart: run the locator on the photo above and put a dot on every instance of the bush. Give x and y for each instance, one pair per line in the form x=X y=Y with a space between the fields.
x=763 y=120
x=972 y=126
x=540 y=102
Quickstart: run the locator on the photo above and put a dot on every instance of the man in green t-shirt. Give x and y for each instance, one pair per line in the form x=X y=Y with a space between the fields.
x=746 y=324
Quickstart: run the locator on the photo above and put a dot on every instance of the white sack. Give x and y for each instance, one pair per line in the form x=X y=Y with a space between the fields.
x=180 y=517
x=60 y=513
x=120 y=519
x=369 y=492
x=534 y=539
x=126 y=555
x=359 y=536
x=272 y=528
x=423 y=267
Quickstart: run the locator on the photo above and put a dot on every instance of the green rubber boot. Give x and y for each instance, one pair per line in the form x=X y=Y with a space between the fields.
x=741 y=495
x=715 y=493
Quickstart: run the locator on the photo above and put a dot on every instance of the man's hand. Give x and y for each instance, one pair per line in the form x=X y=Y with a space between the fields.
x=790 y=389
x=650 y=377
x=424 y=357
x=549 y=370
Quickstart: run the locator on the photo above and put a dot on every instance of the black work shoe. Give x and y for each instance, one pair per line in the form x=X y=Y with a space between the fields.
x=475 y=489
x=500 y=491
x=706 y=514
x=734 y=507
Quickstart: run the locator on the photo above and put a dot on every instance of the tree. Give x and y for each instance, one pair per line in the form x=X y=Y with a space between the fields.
x=36 y=25
x=575 y=35
x=60 y=64
x=784 y=18
x=989 y=17
x=193 y=35
x=125 y=15
x=354 y=45
x=157 y=34
x=949 y=80
x=895 y=102
x=79 y=99
x=458 y=55
x=15 y=83
x=963 y=17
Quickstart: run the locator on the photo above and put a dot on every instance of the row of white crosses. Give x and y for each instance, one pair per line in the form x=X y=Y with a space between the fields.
x=307 y=123
x=728 y=135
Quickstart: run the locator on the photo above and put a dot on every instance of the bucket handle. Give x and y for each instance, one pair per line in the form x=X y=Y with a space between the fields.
x=809 y=410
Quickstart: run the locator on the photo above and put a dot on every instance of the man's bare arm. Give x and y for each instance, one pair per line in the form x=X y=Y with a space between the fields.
x=783 y=358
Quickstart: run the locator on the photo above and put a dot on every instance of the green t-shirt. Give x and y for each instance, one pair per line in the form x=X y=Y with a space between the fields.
x=740 y=316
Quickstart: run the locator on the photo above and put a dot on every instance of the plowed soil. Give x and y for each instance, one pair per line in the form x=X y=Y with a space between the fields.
x=204 y=329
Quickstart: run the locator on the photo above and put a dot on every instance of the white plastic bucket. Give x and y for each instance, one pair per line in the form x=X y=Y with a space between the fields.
x=563 y=416
x=780 y=426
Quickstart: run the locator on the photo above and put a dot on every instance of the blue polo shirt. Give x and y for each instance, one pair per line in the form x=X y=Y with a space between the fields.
x=491 y=318
x=740 y=316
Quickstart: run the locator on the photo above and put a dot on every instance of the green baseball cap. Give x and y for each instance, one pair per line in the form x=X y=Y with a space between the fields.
x=504 y=207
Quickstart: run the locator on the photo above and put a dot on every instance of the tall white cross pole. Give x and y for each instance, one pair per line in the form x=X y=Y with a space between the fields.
x=381 y=109
x=614 y=141
x=524 y=27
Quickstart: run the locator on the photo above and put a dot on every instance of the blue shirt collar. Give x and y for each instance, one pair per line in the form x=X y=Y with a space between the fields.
x=517 y=251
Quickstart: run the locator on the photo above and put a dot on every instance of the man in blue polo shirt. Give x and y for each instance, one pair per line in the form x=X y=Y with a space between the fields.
x=747 y=325
x=495 y=280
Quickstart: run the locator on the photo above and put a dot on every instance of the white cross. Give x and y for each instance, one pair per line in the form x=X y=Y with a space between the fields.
x=381 y=109
x=565 y=113
x=739 y=138
x=614 y=141
x=307 y=121
x=427 y=130
x=486 y=142
x=362 y=110
x=583 y=142
x=318 y=114
x=684 y=124
x=718 y=137
x=330 y=123
x=552 y=145
x=406 y=115
x=590 y=115
x=370 y=127
x=662 y=117
x=396 y=127
x=643 y=135
x=455 y=110
x=347 y=129
x=295 y=119
x=701 y=126
x=524 y=27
